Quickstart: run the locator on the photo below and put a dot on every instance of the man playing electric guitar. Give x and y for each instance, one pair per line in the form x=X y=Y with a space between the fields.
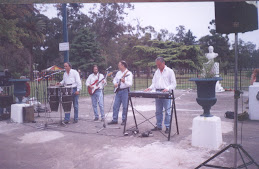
x=122 y=81
x=95 y=83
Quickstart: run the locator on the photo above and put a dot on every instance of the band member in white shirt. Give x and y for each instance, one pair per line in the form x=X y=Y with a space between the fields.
x=97 y=96
x=71 y=78
x=123 y=82
x=163 y=81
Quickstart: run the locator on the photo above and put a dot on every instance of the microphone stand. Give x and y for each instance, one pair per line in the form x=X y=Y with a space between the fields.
x=104 y=120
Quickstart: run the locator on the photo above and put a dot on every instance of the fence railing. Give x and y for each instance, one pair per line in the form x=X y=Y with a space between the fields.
x=142 y=80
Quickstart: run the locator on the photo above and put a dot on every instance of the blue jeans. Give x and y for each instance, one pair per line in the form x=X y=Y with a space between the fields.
x=75 y=104
x=97 y=98
x=160 y=104
x=120 y=98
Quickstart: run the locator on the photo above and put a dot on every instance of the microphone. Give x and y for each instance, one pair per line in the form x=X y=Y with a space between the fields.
x=108 y=68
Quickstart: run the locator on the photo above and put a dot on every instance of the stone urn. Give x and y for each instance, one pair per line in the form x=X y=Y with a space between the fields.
x=206 y=97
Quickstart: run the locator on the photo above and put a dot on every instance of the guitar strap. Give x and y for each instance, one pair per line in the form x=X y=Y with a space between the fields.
x=125 y=73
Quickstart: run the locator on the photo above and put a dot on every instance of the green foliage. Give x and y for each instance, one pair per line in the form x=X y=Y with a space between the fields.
x=85 y=51
x=15 y=53
x=176 y=55
x=247 y=55
x=50 y=54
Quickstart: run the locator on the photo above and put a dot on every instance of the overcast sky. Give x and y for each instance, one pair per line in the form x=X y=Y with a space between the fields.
x=193 y=15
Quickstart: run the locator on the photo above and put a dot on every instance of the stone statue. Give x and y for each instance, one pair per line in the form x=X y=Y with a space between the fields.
x=211 y=68
x=211 y=55
x=208 y=67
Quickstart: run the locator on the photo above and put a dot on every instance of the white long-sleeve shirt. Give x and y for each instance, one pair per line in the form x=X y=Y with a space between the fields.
x=72 y=78
x=92 y=78
x=128 y=79
x=164 y=80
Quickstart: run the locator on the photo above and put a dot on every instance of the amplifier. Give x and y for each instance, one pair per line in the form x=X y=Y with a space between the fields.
x=28 y=114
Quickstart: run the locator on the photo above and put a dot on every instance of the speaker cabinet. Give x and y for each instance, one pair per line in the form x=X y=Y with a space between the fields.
x=28 y=114
x=236 y=17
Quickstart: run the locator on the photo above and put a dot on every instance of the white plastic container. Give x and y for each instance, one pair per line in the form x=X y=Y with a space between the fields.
x=253 y=102
x=17 y=112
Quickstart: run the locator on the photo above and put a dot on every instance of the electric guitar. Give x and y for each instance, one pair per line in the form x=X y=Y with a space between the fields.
x=116 y=89
x=95 y=85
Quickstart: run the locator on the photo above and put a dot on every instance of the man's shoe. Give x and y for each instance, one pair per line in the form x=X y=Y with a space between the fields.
x=112 y=122
x=123 y=123
x=96 y=119
x=102 y=120
x=156 y=129
x=75 y=121
x=66 y=122
x=167 y=130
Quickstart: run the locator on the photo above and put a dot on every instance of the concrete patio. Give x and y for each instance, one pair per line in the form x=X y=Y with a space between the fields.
x=29 y=146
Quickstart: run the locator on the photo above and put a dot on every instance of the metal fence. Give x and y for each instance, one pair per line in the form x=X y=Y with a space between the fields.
x=142 y=80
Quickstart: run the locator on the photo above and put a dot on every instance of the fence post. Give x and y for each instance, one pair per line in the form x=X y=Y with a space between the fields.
x=147 y=78
x=134 y=78
x=240 y=83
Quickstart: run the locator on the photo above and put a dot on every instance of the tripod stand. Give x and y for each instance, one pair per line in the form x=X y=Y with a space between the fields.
x=48 y=109
x=237 y=147
x=104 y=119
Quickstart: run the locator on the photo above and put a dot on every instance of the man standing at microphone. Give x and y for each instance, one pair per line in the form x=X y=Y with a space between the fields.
x=122 y=82
x=97 y=96
x=71 y=78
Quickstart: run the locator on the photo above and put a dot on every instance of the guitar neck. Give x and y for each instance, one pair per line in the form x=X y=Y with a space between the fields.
x=100 y=81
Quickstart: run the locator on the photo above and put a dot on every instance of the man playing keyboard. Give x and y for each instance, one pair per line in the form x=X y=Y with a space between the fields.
x=163 y=81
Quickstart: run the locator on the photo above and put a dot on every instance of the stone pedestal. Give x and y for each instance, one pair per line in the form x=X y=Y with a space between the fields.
x=206 y=132
x=17 y=112
x=253 y=102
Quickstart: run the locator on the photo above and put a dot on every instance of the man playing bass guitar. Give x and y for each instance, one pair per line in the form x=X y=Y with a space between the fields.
x=95 y=83
x=122 y=82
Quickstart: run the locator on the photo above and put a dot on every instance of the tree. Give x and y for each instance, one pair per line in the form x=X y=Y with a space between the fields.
x=85 y=51
x=245 y=54
x=49 y=54
x=163 y=35
x=189 y=39
x=176 y=55
x=14 y=52
x=179 y=36
x=10 y=31
x=108 y=22
x=182 y=36
x=255 y=59
x=34 y=26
